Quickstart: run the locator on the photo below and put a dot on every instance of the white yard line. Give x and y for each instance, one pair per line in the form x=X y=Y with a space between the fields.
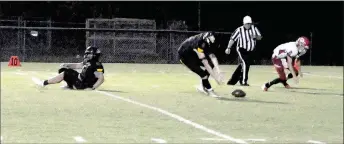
x=177 y=117
x=157 y=140
x=155 y=86
x=315 y=142
x=213 y=139
x=1 y=138
x=79 y=139
x=220 y=139
x=256 y=140
x=21 y=73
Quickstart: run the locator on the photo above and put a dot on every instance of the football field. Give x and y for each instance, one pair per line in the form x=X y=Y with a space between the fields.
x=147 y=103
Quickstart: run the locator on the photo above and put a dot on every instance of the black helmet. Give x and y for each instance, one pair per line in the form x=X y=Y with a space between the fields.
x=209 y=37
x=92 y=54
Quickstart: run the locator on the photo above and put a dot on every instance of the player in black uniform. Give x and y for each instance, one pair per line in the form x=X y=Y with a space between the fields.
x=197 y=53
x=91 y=76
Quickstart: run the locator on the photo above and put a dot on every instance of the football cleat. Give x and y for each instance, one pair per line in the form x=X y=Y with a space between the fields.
x=213 y=94
x=287 y=86
x=202 y=90
x=264 y=88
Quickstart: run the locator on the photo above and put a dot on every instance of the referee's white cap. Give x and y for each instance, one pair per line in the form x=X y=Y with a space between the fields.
x=247 y=19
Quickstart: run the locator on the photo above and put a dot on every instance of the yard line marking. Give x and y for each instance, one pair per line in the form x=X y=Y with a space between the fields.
x=79 y=139
x=179 y=118
x=219 y=139
x=256 y=140
x=157 y=140
x=155 y=86
x=315 y=142
x=20 y=73
x=1 y=138
x=33 y=72
x=213 y=139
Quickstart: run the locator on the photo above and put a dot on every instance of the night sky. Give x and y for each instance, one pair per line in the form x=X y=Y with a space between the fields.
x=278 y=21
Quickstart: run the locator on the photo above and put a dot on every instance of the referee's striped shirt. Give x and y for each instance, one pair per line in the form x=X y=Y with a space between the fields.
x=244 y=39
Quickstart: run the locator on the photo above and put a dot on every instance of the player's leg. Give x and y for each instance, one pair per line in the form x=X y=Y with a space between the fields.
x=282 y=76
x=198 y=68
x=70 y=76
x=193 y=64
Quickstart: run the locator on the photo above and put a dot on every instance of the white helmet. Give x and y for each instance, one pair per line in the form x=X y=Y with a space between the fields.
x=247 y=19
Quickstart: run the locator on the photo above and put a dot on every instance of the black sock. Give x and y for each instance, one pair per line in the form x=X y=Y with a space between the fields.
x=275 y=81
x=206 y=84
x=45 y=82
x=284 y=82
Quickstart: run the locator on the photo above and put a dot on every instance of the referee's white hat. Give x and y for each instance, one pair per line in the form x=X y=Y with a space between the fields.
x=247 y=19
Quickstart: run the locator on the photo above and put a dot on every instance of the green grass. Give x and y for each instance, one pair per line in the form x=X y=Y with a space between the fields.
x=312 y=111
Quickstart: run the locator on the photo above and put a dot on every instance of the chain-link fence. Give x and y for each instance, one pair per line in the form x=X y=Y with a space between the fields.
x=45 y=41
x=41 y=41
x=39 y=45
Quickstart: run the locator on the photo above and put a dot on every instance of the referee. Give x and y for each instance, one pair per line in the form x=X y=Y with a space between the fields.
x=245 y=36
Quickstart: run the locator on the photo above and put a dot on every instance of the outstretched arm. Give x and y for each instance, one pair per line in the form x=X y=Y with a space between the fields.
x=100 y=80
x=298 y=64
x=290 y=66
x=72 y=65
x=215 y=62
x=205 y=62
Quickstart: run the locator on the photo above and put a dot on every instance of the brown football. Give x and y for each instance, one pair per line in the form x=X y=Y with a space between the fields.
x=238 y=93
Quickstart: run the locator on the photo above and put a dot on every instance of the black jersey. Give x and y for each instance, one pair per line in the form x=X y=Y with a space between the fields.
x=87 y=75
x=196 y=42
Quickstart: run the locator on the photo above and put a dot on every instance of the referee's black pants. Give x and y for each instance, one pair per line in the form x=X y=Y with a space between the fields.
x=241 y=72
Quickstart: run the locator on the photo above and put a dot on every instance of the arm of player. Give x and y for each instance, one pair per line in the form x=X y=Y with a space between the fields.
x=72 y=65
x=290 y=66
x=215 y=62
x=205 y=62
x=298 y=64
x=100 y=76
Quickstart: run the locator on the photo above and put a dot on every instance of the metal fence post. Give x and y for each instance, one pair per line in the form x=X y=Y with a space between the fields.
x=310 y=50
x=24 y=42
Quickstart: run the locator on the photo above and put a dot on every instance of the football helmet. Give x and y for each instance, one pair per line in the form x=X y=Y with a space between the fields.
x=92 y=54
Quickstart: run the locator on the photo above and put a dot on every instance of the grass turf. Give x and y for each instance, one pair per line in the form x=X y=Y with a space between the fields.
x=311 y=111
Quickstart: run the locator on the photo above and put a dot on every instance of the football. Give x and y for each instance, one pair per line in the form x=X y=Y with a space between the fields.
x=238 y=93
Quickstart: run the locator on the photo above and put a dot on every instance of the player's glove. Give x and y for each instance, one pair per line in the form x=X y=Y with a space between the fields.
x=228 y=51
